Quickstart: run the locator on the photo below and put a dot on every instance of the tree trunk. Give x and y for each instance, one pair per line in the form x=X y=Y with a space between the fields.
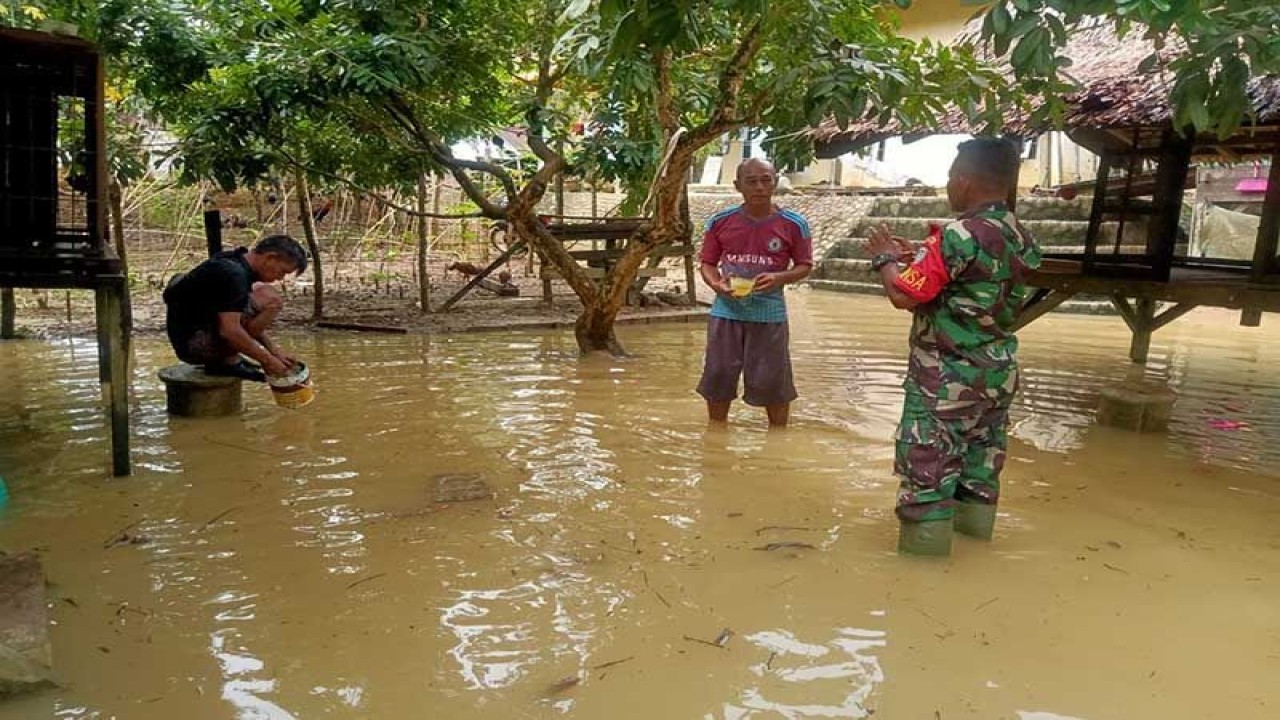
x=8 y=311
x=309 y=229
x=595 y=326
x=115 y=197
x=424 y=239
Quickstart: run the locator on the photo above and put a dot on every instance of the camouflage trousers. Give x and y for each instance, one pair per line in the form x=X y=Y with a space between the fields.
x=949 y=451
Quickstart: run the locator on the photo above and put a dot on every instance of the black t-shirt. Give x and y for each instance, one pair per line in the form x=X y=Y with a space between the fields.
x=220 y=284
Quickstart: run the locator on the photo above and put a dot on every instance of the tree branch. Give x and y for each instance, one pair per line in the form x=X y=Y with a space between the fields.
x=723 y=118
x=547 y=79
x=442 y=155
x=293 y=161
x=664 y=97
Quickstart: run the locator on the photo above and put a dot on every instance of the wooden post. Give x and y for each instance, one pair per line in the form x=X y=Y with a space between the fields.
x=1268 y=238
x=1096 y=211
x=116 y=203
x=1145 y=314
x=424 y=239
x=213 y=231
x=1264 y=251
x=113 y=369
x=8 y=312
x=95 y=125
x=313 y=243
x=1171 y=181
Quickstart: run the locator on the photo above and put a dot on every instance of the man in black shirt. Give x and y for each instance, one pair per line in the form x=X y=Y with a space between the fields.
x=223 y=307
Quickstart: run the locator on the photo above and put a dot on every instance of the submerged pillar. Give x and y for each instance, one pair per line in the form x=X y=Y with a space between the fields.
x=191 y=393
x=1139 y=407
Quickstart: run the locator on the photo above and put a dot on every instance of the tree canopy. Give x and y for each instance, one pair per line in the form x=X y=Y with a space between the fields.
x=377 y=92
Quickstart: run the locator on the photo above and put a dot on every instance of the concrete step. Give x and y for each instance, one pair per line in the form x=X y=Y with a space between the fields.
x=1029 y=208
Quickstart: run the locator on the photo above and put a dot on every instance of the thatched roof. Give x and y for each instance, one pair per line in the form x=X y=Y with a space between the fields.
x=1114 y=96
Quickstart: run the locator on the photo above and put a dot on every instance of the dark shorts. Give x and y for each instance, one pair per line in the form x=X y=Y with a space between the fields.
x=202 y=347
x=756 y=351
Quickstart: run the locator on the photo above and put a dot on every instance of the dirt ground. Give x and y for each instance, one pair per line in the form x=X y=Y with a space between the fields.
x=61 y=313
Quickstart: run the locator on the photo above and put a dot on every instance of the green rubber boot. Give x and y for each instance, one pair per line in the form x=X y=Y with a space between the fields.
x=976 y=520
x=930 y=538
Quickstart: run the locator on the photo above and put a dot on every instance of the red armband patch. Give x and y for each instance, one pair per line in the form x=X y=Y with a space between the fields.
x=925 y=277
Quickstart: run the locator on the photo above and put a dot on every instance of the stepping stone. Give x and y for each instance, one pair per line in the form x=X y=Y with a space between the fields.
x=461 y=487
x=25 y=655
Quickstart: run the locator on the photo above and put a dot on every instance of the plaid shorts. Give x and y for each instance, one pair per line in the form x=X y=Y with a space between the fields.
x=758 y=352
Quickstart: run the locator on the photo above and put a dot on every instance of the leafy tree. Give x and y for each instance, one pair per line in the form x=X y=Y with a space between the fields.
x=379 y=92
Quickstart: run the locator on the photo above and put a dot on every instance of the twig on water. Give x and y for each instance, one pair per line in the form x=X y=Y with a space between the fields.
x=219 y=516
x=788 y=544
x=768 y=664
x=931 y=617
x=645 y=575
x=240 y=447
x=1120 y=570
x=115 y=537
x=365 y=580
x=986 y=603
x=602 y=666
x=690 y=638
x=767 y=528
x=782 y=582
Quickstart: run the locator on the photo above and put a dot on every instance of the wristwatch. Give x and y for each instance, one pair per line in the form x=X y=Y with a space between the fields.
x=881 y=260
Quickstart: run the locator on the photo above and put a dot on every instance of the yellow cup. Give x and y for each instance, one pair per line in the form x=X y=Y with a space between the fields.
x=741 y=287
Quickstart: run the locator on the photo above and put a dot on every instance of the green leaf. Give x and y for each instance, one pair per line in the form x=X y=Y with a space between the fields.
x=1024 y=53
x=1000 y=19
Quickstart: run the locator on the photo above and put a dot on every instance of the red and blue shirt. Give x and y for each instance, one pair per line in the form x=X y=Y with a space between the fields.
x=744 y=247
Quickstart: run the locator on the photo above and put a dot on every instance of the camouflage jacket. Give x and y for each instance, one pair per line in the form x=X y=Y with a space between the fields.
x=970 y=280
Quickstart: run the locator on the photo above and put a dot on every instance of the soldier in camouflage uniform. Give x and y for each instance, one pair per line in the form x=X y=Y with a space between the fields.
x=964 y=285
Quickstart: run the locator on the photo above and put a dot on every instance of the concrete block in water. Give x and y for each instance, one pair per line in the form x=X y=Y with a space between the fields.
x=25 y=655
x=1140 y=408
x=460 y=487
x=191 y=393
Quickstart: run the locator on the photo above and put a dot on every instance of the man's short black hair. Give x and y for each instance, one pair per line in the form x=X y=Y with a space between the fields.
x=993 y=160
x=285 y=246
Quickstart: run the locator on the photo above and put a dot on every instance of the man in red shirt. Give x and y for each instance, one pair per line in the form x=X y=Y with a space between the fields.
x=749 y=253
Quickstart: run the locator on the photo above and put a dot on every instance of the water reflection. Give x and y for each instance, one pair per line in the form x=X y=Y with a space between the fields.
x=844 y=670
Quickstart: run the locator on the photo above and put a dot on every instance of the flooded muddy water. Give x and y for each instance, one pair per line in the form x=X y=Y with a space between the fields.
x=296 y=564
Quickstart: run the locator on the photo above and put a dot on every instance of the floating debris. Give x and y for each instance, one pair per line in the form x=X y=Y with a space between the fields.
x=786 y=544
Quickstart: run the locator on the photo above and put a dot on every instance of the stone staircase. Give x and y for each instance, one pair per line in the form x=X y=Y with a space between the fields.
x=1058 y=225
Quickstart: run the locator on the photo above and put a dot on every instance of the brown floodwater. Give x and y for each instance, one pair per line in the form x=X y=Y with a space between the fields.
x=294 y=564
